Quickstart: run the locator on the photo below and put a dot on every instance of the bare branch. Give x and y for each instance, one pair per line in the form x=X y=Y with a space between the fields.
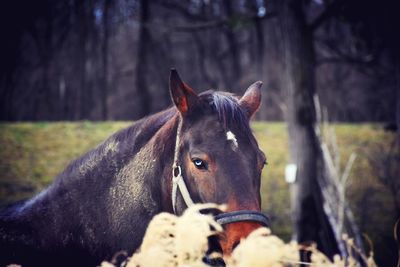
x=181 y=8
x=329 y=11
x=218 y=23
x=342 y=59
x=199 y=26
x=347 y=170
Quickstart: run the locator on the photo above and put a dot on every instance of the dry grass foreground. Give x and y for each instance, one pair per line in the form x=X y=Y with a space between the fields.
x=172 y=241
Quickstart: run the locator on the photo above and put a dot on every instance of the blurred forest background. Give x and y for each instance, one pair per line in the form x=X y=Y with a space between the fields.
x=74 y=60
x=110 y=59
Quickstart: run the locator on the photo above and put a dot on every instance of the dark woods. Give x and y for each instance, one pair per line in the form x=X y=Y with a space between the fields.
x=103 y=59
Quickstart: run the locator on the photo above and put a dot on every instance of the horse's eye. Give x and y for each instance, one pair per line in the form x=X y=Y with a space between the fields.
x=200 y=164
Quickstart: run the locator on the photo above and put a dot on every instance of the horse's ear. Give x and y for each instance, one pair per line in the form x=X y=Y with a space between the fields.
x=183 y=96
x=251 y=99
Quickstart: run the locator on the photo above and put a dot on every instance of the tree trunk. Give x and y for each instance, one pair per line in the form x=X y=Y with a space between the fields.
x=142 y=60
x=260 y=46
x=310 y=222
x=395 y=169
x=104 y=78
x=81 y=58
x=234 y=51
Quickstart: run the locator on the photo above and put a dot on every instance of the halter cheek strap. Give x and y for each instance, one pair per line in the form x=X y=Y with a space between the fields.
x=224 y=218
x=179 y=183
x=177 y=178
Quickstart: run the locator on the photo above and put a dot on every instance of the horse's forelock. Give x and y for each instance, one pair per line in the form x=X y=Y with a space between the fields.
x=226 y=105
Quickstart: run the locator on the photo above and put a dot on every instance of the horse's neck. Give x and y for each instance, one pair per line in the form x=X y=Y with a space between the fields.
x=126 y=175
x=105 y=162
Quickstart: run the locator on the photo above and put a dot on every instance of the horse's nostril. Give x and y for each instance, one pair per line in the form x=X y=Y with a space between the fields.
x=235 y=245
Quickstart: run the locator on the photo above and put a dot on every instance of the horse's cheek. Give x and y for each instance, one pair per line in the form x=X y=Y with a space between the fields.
x=205 y=190
x=205 y=186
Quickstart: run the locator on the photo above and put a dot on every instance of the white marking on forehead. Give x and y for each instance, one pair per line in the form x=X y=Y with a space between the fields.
x=231 y=137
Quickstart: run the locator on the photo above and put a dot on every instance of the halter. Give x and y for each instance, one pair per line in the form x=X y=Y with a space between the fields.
x=224 y=218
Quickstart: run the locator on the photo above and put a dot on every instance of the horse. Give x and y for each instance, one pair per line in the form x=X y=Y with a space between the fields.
x=199 y=150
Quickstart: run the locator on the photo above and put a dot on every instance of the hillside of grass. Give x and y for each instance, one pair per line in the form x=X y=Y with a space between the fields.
x=32 y=154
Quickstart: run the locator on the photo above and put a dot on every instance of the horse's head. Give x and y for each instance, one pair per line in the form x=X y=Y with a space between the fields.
x=217 y=155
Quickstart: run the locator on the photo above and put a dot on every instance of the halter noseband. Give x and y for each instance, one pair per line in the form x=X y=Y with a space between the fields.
x=223 y=218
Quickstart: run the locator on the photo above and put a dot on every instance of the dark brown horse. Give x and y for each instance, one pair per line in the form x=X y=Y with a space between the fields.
x=200 y=150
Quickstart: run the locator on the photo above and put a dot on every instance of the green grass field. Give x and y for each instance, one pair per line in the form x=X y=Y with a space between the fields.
x=32 y=154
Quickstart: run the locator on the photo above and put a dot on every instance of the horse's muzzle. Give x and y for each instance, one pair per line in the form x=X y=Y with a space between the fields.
x=238 y=225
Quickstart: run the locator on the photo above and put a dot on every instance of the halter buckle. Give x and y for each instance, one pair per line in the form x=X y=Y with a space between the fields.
x=176 y=171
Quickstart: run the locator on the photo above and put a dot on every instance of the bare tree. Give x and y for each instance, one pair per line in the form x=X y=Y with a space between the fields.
x=104 y=78
x=310 y=221
x=144 y=44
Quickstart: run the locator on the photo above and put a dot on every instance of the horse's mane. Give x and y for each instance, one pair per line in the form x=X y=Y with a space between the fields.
x=144 y=129
x=126 y=142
